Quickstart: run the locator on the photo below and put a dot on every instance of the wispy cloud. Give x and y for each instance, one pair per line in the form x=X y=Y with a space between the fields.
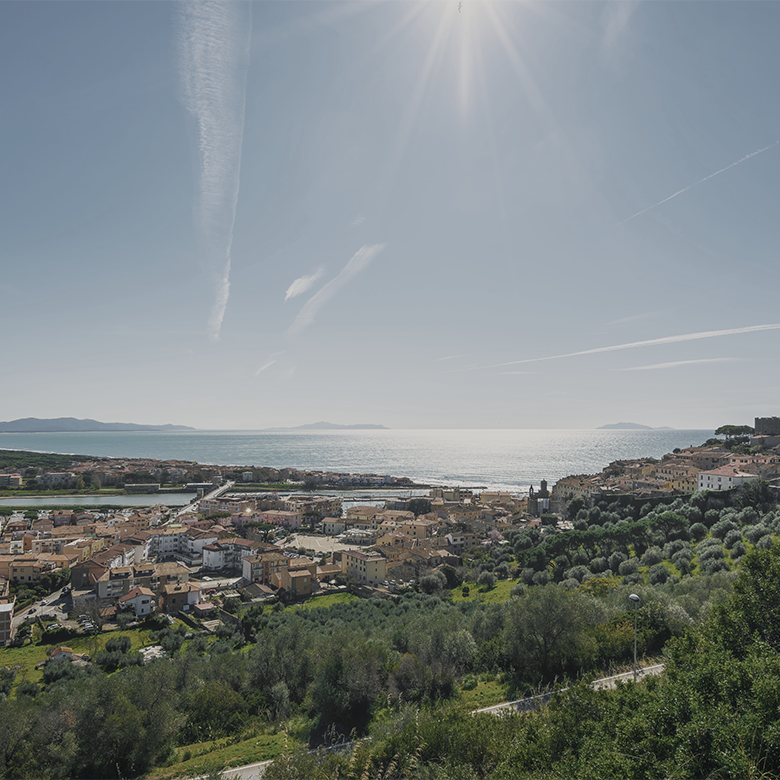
x=676 y=364
x=614 y=20
x=302 y=284
x=449 y=357
x=707 y=334
x=701 y=181
x=358 y=220
x=213 y=40
x=268 y=363
x=356 y=264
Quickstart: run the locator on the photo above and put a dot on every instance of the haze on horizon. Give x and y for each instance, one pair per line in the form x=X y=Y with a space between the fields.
x=518 y=214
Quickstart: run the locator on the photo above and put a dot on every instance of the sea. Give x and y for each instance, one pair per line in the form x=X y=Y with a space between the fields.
x=495 y=459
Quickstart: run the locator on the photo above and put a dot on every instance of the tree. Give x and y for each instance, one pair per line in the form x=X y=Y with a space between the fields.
x=732 y=431
x=544 y=633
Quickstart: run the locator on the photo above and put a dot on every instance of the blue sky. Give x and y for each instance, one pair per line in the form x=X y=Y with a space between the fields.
x=516 y=214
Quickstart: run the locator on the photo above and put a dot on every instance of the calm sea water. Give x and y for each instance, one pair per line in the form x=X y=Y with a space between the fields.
x=493 y=459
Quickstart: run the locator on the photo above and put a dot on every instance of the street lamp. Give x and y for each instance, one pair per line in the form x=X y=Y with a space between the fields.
x=635 y=599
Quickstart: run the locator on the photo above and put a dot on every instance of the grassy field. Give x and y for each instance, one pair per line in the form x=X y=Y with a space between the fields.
x=486 y=694
x=495 y=595
x=325 y=601
x=204 y=757
x=28 y=657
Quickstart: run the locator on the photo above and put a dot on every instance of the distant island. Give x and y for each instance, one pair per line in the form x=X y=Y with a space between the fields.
x=629 y=426
x=327 y=426
x=72 y=425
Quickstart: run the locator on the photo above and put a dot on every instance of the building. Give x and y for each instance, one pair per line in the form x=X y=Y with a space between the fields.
x=6 y=622
x=140 y=600
x=723 y=478
x=367 y=568
x=179 y=597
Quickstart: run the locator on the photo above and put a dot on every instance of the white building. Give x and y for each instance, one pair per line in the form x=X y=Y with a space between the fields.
x=723 y=478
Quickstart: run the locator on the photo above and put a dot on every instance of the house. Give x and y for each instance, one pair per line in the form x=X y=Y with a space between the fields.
x=179 y=597
x=297 y=582
x=61 y=653
x=140 y=600
x=723 y=478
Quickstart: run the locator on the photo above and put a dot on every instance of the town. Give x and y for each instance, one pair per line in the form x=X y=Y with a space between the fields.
x=240 y=543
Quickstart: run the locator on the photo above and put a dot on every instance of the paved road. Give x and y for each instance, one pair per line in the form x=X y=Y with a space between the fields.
x=55 y=609
x=534 y=702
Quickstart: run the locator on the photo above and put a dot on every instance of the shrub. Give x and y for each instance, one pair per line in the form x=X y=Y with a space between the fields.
x=698 y=531
x=616 y=559
x=658 y=574
x=628 y=567
x=541 y=578
x=722 y=527
x=710 y=553
x=488 y=579
x=598 y=565
x=652 y=556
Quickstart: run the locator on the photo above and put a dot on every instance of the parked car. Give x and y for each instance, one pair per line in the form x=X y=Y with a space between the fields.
x=52 y=626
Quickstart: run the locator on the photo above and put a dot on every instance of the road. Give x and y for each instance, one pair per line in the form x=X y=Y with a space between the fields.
x=55 y=609
x=534 y=702
x=193 y=507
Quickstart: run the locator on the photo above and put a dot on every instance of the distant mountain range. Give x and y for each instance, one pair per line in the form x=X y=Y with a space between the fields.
x=629 y=426
x=72 y=425
x=326 y=426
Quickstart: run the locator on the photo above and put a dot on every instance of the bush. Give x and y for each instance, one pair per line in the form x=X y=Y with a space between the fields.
x=598 y=565
x=119 y=644
x=616 y=559
x=628 y=567
x=488 y=579
x=698 y=531
x=754 y=533
x=710 y=553
x=652 y=556
x=722 y=527
x=658 y=574
x=731 y=538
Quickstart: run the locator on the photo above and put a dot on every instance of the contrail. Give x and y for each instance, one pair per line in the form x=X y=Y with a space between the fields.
x=356 y=264
x=302 y=284
x=707 y=334
x=701 y=181
x=213 y=41
x=676 y=364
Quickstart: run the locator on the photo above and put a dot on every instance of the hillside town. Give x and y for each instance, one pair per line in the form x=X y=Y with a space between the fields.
x=240 y=543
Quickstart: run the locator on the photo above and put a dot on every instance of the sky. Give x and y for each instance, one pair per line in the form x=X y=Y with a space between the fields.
x=476 y=214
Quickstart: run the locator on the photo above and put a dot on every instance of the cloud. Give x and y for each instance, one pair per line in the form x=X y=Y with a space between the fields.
x=268 y=363
x=356 y=264
x=675 y=364
x=213 y=41
x=449 y=357
x=708 y=334
x=358 y=220
x=701 y=181
x=614 y=20
x=302 y=284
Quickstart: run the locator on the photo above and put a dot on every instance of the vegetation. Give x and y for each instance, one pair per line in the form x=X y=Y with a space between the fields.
x=533 y=609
